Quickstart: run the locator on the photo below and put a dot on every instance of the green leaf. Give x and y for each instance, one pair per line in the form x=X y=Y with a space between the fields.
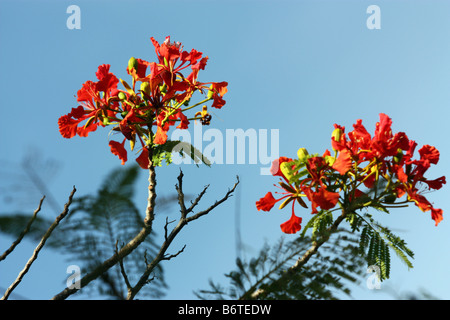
x=95 y=223
x=321 y=278
x=375 y=243
x=185 y=149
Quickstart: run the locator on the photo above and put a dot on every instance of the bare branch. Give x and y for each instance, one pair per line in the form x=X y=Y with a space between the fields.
x=131 y=245
x=149 y=213
x=254 y=293
x=122 y=270
x=170 y=256
x=24 y=232
x=179 y=188
x=197 y=200
x=169 y=238
x=40 y=246
x=227 y=195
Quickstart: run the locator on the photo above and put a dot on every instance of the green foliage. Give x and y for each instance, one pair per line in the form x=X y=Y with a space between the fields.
x=375 y=244
x=96 y=224
x=325 y=275
x=319 y=223
x=165 y=151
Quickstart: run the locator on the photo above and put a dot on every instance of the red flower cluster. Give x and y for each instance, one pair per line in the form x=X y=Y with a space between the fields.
x=359 y=159
x=163 y=97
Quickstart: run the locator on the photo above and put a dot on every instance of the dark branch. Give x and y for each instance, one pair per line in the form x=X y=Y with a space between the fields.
x=40 y=246
x=24 y=232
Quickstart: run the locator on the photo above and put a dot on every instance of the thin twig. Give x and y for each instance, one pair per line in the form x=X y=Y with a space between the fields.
x=170 y=256
x=204 y=212
x=254 y=293
x=169 y=238
x=24 y=232
x=179 y=188
x=197 y=200
x=122 y=270
x=131 y=245
x=40 y=246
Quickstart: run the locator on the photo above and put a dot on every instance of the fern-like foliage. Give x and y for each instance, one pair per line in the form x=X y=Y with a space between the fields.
x=328 y=272
x=376 y=242
x=96 y=226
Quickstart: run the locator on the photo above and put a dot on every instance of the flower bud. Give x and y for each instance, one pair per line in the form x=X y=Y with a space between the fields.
x=286 y=169
x=132 y=63
x=337 y=133
x=390 y=198
x=210 y=92
x=122 y=96
x=398 y=157
x=145 y=87
x=302 y=154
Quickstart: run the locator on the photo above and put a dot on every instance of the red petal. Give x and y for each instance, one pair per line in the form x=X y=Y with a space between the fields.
x=84 y=131
x=118 y=149
x=343 y=163
x=219 y=89
x=275 y=168
x=87 y=92
x=436 y=215
x=160 y=136
x=266 y=203
x=436 y=183
x=67 y=126
x=429 y=153
x=68 y=123
x=143 y=160
x=420 y=201
x=326 y=199
x=107 y=80
x=184 y=123
x=292 y=225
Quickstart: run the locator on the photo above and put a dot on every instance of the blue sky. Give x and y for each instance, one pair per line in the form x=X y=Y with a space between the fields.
x=295 y=66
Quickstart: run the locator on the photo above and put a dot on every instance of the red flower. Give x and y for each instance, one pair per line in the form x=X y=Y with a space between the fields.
x=436 y=215
x=292 y=225
x=119 y=150
x=143 y=159
x=162 y=99
x=138 y=70
x=68 y=123
x=343 y=163
x=266 y=203
x=107 y=81
x=436 y=183
x=275 y=168
x=218 y=89
x=163 y=127
x=290 y=194
x=92 y=105
x=338 y=141
x=321 y=198
x=429 y=153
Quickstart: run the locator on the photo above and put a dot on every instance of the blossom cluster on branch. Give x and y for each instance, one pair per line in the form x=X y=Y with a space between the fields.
x=162 y=100
x=383 y=163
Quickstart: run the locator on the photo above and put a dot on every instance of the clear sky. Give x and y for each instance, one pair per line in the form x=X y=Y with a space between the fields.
x=293 y=66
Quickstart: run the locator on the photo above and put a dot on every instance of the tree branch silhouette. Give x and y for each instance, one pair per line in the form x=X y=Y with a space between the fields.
x=40 y=245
